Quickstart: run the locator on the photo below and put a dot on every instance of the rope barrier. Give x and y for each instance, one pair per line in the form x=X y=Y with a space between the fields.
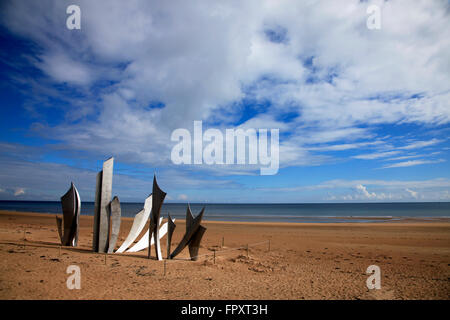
x=215 y=254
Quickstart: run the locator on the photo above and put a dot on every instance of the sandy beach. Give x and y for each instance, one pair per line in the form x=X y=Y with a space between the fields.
x=303 y=261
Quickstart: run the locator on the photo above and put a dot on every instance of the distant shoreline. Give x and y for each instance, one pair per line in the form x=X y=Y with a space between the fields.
x=285 y=213
x=271 y=220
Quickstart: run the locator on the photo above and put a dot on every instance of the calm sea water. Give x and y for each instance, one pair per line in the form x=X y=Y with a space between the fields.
x=336 y=212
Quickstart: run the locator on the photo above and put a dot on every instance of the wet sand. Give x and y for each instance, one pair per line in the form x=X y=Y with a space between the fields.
x=304 y=261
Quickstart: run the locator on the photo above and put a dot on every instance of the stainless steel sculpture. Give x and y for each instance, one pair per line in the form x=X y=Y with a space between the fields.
x=193 y=235
x=157 y=201
x=170 y=229
x=71 y=206
x=143 y=242
x=100 y=241
x=138 y=224
x=115 y=223
x=95 y=231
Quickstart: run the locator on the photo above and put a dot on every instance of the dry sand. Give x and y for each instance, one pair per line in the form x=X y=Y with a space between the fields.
x=305 y=261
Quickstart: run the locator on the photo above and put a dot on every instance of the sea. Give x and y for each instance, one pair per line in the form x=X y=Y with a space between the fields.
x=286 y=212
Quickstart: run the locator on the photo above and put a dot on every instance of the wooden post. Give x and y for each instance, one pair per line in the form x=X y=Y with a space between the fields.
x=214 y=256
x=223 y=242
x=24 y=237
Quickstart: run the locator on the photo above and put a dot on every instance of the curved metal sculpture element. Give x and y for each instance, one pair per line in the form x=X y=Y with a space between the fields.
x=170 y=230
x=143 y=242
x=157 y=201
x=193 y=235
x=115 y=223
x=138 y=224
x=75 y=240
x=102 y=214
x=71 y=206
x=194 y=244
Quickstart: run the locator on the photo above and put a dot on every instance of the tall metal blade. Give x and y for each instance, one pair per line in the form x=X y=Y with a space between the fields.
x=105 y=199
x=157 y=201
x=115 y=223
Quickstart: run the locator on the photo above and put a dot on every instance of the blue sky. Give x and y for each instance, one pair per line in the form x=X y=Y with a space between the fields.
x=363 y=114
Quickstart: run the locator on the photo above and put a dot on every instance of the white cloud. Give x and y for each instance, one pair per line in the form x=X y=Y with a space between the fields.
x=414 y=194
x=19 y=192
x=430 y=184
x=425 y=155
x=428 y=190
x=377 y=155
x=346 y=146
x=421 y=144
x=411 y=163
x=63 y=69
x=362 y=189
x=405 y=157
x=182 y=197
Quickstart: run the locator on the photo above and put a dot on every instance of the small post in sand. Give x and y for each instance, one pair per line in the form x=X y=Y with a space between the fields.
x=223 y=242
x=214 y=256
x=24 y=237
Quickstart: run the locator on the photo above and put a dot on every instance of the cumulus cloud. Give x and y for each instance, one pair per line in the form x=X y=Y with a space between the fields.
x=200 y=59
x=62 y=69
x=363 y=190
x=391 y=194
x=374 y=190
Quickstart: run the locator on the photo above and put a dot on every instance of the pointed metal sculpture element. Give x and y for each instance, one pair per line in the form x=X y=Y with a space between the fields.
x=189 y=218
x=138 y=224
x=170 y=229
x=68 y=225
x=157 y=201
x=193 y=235
x=102 y=210
x=115 y=223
